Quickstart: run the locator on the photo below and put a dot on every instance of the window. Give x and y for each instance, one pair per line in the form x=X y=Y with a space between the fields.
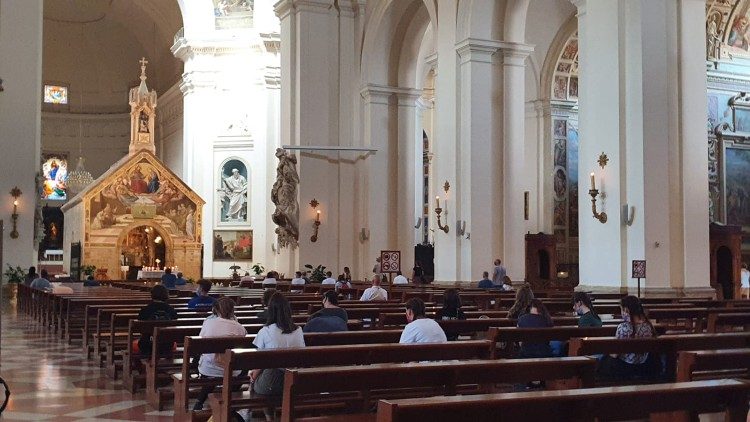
x=55 y=94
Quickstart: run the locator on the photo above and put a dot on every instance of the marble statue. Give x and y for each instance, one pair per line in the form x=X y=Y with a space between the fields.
x=284 y=196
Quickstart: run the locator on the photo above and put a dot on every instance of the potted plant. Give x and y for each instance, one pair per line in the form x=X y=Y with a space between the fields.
x=258 y=269
x=318 y=273
x=15 y=275
x=88 y=270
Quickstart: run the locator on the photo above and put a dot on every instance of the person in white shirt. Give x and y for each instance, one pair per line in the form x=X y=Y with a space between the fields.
x=280 y=332
x=400 y=279
x=329 y=279
x=270 y=280
x=374 y=293
x=420 y=329
x=221 y=323
x=745 y=281
x=247 y=277
x=298 y=280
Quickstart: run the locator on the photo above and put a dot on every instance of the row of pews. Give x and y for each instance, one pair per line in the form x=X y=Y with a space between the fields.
x=364 y=374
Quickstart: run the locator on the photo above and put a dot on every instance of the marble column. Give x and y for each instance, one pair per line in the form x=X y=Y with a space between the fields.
x=20 y=122
x=481 y=197
x=515 y=175
x=409 y=164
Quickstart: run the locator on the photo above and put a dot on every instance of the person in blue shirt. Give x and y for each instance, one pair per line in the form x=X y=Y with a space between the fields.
x=168 y=280
x=90 y=282
x=180 y=281
x=202 y=299
x=486 y=283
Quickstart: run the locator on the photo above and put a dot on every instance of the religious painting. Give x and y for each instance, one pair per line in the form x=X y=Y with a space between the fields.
x=53 y=223
x=564 y=67
x=738 y=33
x=573 y=87
x=55 y=94
x=230 y=245
x=572 y=179
x=742 y=120
x=233 y=191
x=561 y=153
x=144 y=191
x=571 y=50
x=561 y=88
x=560 y=183
x=561 y=128
x=737 y=185
x=55 y=176
x=559 y=236
x=232 y=14
x=713 y=111
x=559 y=215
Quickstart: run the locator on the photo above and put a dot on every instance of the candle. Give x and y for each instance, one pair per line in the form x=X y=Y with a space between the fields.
x=437 y=202
x=317 y=217
x=593 y=182
x=15 y=203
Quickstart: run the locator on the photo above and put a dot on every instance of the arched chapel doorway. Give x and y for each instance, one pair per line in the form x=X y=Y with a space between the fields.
x=143 y=246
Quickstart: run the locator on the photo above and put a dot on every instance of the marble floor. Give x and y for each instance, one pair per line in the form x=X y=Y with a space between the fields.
x=50 y=380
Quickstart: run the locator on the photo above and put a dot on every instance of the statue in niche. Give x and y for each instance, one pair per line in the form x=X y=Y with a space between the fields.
x=284 y=196
x=143 y=122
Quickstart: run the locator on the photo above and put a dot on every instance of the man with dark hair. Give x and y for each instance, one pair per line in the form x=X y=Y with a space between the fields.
x=420 y=329
x=329 y=279
x=485 y=283
x=158 y=310
x=180 y=280
x=42 y=282
x=329 y=319
x=201 y=298
x=168 y=279
x=90 y=282
x=298 y=280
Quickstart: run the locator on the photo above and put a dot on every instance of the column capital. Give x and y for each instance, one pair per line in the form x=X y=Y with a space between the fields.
x=477 y=50
x=197 y=81
x=515 y=54
x=381 y=94
x=351 y=8
x=580 y=5
x=273 y=77
x=284 y=8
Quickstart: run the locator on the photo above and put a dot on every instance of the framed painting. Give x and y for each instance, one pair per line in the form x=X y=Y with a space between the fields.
x=233 y=190
x=233 y=245
x=737 y=184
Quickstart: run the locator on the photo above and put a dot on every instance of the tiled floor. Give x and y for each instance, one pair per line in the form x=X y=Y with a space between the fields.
x=50 y=380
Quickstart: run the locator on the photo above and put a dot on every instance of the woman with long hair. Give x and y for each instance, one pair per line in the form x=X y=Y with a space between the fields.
x=521 y=306
x=279 y=332
x=537 y=317
x=451 y=309
x=222 y=323
x=635 y=325
x=585 y=310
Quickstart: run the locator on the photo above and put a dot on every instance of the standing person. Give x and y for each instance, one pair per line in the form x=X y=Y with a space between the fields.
x=485 y=282
x=585 y=310
x=180 y=280
x=30 y=277
x=417 y=274
x=201 y=298
x=329 y=279
x=41 y=282
x=635 y=325
x=744 y=279
x=400 y=279
x=498 y=274
x=420 y=329
x=374 y=293
x=224 y=324
x=279 y=332
x=537 y=317
x=168 y=280
x=522 y=305
x=329 y=319
x=347 y=274
x=377 y=268
x=158 y=310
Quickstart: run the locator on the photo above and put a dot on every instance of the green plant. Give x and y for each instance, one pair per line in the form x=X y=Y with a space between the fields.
x=318 y=273
x=15 y=275
x=88 y=269
x=258 y=269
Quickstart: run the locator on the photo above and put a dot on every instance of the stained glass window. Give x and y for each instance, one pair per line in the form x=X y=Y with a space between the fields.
x=55 y=94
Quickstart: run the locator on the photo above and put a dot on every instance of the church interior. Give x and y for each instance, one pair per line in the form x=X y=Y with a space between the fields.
x=576 y=160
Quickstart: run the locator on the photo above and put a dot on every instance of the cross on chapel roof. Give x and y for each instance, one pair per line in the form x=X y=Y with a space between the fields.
x=143 y=63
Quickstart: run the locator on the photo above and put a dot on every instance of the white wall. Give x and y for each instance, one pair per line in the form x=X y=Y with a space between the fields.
x=20 y=117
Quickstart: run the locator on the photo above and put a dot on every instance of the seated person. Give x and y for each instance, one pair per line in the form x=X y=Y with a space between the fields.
x=298 y=280
x=507 y=284
x=420 y=329
x=223 y=324
x=522 y=304
x=158 y=310
x=180 y=280
x=537 y=317
x=485 y=283
x=635 y=325
x=451 y=309
x=330 y=309
x=247 y=277
x=270 y=280
x=61 y=289
x=263 y=315
x=90 y=282
x=168 y=279
x=585 y=310
x=201 y=298
x=343 y=283
x=374 y=293
x=329 y=279
x=42 y=282
x=400 y=279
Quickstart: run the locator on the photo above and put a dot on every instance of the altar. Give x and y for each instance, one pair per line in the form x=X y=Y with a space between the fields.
x=138 y=212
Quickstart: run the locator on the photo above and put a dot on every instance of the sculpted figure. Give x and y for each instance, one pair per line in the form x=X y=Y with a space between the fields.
x=284 y=196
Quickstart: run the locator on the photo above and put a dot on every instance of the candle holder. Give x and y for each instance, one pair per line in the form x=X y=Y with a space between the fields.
x=316 y=224
x=601 y=216
x=442 y=227
x=15 y=193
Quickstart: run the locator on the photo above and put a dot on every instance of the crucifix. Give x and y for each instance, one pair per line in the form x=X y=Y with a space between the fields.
x=143 y=63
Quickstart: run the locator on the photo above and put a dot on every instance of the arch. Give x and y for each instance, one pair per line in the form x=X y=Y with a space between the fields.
x=166 y=238
x=569 y=28
x=197 y=17
x=481 y=19
x=514 y=28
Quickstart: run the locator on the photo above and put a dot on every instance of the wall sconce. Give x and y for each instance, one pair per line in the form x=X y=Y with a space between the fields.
x=439 y=211
x=15 y=193
x=316 y=224
x=628 y=215
x=460 y=228
x=601 y=216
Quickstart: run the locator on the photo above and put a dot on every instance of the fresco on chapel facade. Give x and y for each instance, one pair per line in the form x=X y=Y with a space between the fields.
x=231 y=14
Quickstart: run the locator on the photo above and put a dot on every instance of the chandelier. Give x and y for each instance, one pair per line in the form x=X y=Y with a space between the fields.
x=79 y=178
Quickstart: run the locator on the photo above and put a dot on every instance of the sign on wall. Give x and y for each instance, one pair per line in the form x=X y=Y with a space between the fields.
x=390 y=261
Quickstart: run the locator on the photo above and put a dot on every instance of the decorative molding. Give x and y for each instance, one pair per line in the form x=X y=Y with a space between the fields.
x=272 y=42
x=68 y=125
x=197 y=80
x=273 y=77
x=234 y=143
x=477 y=50
x=284 y=8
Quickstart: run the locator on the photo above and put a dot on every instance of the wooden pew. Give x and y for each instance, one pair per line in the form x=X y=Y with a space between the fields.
x=668 y=345
x=605 y=403
x=361 y=354
x=194 y=346
x=718 y=322
x=713 y=364
x=313 y=387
